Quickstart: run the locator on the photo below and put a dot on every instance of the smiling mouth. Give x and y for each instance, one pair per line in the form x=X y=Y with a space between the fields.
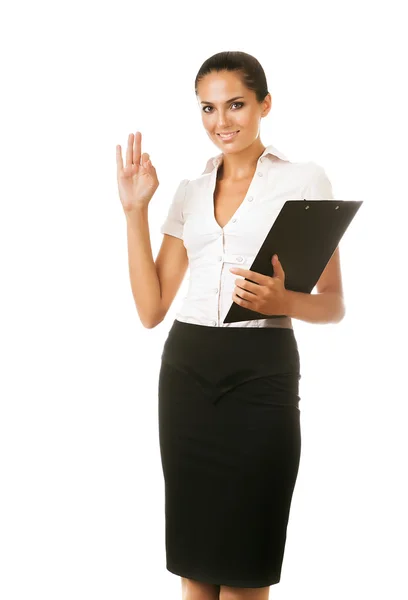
x=228 y=136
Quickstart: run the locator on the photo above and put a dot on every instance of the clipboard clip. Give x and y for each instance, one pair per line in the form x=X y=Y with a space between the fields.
x=307 y=207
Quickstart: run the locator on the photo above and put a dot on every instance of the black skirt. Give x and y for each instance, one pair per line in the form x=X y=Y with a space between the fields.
x=229 y=431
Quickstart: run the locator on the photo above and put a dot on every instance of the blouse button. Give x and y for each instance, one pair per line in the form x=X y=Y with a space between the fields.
x=212 y=323
x=260 y=174
x=250 y=198
x=233 y=220
x=239 y=258
x=220 y=258
x=215 y=290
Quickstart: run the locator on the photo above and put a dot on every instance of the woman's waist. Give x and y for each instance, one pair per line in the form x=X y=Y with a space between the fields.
x=247 y=347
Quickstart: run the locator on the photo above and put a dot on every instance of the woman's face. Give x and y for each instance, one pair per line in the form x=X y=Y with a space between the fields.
x=228 y=106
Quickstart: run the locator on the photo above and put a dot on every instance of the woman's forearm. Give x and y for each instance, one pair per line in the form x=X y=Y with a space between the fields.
x=326 y=307
x=144 y=280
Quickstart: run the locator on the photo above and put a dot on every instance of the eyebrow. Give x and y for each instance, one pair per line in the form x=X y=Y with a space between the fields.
x=226 y=102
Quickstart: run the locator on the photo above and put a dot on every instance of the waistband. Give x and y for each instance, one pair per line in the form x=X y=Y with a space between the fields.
x=242 y=344
x=195 y=328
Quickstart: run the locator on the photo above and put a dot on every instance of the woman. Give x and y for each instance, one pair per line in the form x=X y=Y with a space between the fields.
x=229 y=420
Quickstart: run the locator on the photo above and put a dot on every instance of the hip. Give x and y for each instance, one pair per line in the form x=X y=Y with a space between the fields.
x=232 y=348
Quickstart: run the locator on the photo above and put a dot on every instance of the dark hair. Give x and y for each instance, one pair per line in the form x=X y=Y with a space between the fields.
x=247 y=67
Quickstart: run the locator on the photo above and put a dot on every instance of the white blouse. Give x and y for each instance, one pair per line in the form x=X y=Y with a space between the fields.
x=213 y=250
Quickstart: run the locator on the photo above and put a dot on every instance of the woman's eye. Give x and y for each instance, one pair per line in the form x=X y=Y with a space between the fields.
x=240 y=105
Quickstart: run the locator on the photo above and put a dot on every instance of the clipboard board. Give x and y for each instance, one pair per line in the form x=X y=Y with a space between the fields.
x=305 y=234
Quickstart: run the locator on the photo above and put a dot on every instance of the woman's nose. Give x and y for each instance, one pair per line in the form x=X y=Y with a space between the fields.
x=222 y=122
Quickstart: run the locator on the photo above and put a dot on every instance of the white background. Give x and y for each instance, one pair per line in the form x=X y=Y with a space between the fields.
x=82 y=497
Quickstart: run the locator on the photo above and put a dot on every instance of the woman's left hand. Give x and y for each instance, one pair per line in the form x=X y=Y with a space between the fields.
x=267 y=295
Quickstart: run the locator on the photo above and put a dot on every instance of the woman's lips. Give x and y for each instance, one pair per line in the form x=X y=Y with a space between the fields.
x=226 y=138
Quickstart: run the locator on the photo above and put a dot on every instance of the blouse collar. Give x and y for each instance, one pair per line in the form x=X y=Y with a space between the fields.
x=215 y=161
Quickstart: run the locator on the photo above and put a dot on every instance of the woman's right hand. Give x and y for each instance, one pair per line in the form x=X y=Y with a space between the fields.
x=137 y=181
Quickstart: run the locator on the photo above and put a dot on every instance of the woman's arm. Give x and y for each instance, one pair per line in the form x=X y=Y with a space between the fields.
x=324 y=307
x=327 y=306
x=144 y=279
x=154 y=283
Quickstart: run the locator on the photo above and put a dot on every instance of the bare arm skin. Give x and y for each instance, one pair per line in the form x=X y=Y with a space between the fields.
x=328 y=305
x=154 y=283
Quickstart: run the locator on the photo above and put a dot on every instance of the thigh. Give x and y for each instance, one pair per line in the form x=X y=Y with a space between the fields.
x=238 y=593
x=199 y=590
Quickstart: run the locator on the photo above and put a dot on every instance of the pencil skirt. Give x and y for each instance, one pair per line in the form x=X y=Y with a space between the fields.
x=230 y=442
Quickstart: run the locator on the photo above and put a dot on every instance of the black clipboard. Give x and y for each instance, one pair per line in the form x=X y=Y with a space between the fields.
x=304 y=235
